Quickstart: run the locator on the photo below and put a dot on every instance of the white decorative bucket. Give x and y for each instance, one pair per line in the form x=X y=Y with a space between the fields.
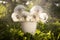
x=29 y=27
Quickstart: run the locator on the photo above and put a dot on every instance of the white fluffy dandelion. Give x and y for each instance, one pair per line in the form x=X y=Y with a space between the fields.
x=18 y=14
x=37 y=13
x=43 y=17
x=36 y=9
x=15 y=17
x=19 y=8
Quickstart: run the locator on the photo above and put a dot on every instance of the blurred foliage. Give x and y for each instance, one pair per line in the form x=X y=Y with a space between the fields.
x=29 y=6
x=10 y=30
x=3 y=10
